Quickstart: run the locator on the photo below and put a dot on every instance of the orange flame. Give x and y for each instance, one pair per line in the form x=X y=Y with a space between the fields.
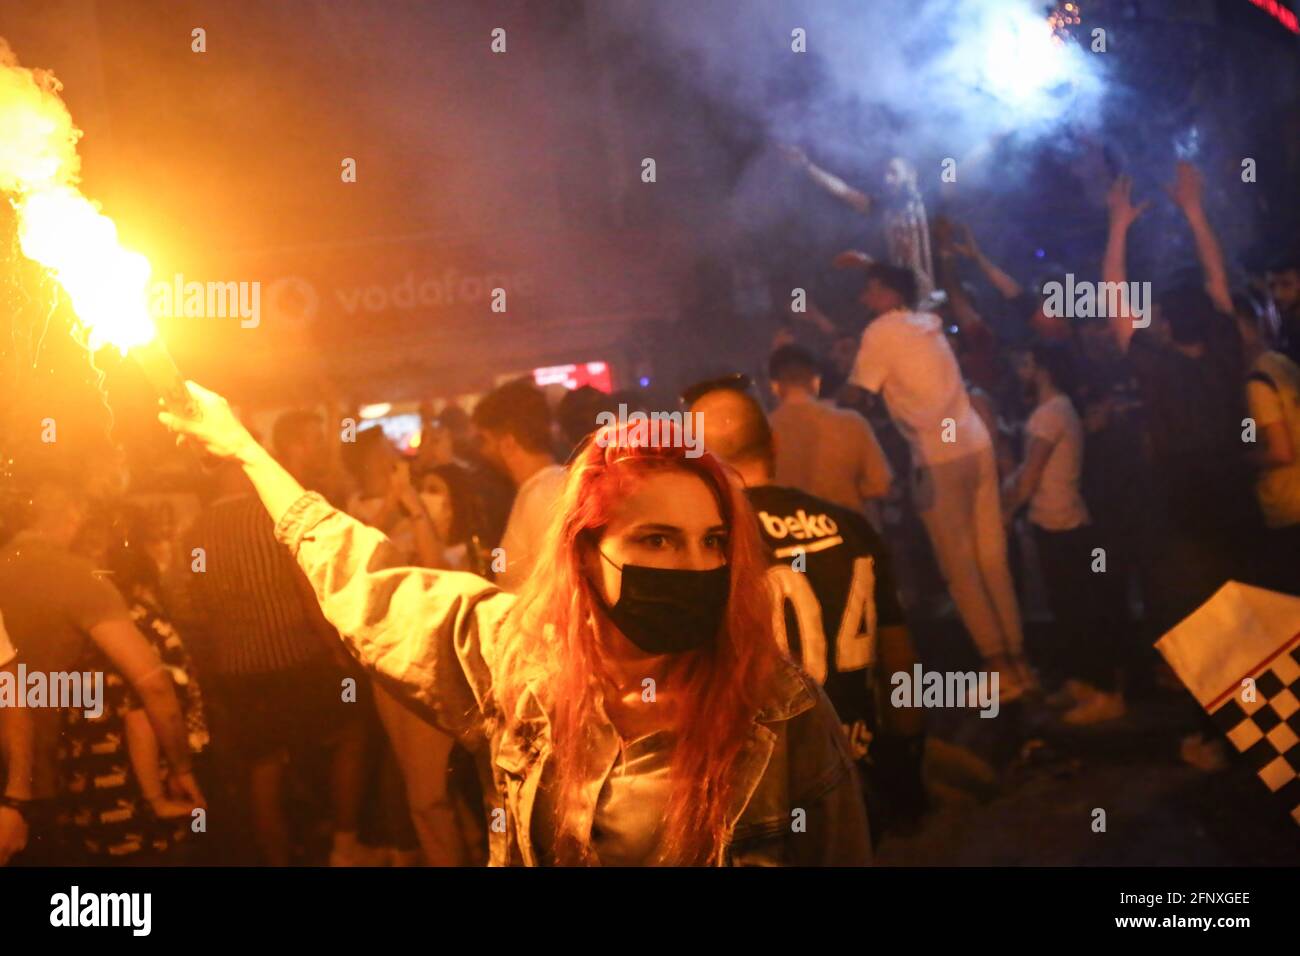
x=58 y=227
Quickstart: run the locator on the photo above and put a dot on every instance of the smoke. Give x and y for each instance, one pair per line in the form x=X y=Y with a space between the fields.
x=930 y=80
x=530 y=162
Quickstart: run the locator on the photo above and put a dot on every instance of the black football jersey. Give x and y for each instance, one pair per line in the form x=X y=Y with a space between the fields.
x=831 y=574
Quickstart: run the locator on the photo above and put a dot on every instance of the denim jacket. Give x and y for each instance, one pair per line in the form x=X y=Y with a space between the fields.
x=434 y=637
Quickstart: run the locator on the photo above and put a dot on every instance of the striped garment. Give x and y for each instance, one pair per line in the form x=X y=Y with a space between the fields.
x=248 y=610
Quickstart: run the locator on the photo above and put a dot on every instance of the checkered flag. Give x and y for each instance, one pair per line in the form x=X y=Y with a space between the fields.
x=1239 y=655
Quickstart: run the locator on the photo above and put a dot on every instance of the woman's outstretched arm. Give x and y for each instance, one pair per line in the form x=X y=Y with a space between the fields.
x=429 y=635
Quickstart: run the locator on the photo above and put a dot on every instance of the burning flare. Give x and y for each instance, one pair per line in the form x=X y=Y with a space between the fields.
x=58 y=226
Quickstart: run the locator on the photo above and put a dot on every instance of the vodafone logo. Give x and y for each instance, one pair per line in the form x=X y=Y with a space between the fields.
x=800 y=526
x=292 y=300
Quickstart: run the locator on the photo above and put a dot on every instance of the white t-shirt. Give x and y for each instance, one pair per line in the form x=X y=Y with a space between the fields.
x=530 y=516
x=1057 y=505
x=7 y=651
x=905 y=356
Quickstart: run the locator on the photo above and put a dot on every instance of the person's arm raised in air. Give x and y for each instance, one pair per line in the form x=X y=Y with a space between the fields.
x=855 y=199
x=814 y=316
x=430 y=635
x=1114 y=268
x=1186 y=193
x=428 y=550
x=964 y=312
x=967 y=248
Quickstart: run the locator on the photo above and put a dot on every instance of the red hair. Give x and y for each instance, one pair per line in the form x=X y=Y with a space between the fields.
x=722 y=684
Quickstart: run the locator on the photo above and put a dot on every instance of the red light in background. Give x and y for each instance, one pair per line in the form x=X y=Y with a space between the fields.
x=595 y=374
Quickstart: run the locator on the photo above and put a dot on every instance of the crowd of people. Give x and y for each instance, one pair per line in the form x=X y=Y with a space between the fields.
x=536 y=640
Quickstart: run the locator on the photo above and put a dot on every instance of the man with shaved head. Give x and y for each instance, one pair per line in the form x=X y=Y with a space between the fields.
x=825 y=450
x=842 y=617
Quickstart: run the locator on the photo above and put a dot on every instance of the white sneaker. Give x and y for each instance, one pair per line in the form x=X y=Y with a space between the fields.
x=1097 y=709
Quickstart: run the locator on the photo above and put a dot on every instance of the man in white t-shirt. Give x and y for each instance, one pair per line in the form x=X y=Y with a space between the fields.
x=905 y=357
x=514 y=428
x=1057 y=504
x=1087 y=604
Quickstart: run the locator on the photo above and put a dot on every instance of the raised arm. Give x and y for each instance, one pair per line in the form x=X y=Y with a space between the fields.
x=815 y=317
x=1114 y=268
x=964 y=312
x=854 y=198
x=430 y=635
x=428 y=549
x=968 y=249
x=1186 y=193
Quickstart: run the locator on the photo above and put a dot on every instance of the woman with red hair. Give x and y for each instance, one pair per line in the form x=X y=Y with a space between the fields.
x=633 y=698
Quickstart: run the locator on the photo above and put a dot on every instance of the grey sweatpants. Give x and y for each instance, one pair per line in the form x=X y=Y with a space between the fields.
x=960 y=507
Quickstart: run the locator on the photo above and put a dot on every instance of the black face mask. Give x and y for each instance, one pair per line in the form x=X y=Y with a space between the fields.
x=666 y=611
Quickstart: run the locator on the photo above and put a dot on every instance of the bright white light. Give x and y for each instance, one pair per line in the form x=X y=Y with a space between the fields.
x=376 y=411
x=1024 y=61
x=998 y=67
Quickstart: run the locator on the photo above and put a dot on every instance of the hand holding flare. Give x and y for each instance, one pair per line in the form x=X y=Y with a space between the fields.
x=212 y=426
x=217 y=431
